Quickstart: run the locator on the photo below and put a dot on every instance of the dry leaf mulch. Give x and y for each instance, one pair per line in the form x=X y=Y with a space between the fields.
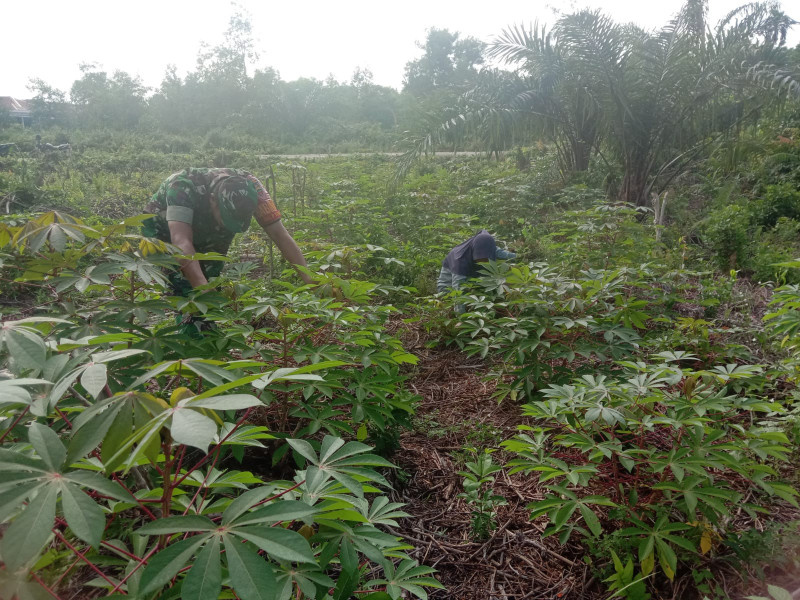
x=515 y=562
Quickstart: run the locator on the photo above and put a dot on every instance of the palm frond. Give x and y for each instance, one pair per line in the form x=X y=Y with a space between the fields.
x=772 y=77
x=517 y=44
x=762 y=20
x=693 y=16
x=595 y=39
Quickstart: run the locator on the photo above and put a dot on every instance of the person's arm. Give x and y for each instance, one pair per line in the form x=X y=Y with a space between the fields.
x=502 y=254
x=269 y=218
x=458 y=280
x=181 y=236
x=288 y=247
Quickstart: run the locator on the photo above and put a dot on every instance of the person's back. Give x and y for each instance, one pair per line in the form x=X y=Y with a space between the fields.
x=463 y=262
x=463 y=259
x=200 y=210
x=186 y=196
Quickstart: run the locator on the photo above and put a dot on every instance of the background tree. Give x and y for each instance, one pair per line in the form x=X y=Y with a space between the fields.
x=377 y=103
x=49 y=104
x=448 y=63
x=170 y=105
x=117 y=101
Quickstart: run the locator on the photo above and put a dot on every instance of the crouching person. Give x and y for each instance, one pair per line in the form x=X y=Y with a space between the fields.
x=201 y=210
x=464 y=262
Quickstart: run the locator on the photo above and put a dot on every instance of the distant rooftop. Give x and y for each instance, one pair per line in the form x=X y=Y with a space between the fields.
x=17 y=108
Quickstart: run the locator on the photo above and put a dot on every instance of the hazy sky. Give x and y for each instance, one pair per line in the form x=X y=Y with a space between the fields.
x=314 y=38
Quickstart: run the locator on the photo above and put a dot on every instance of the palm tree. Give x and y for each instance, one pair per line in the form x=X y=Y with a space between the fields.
x=547 y=97
x=655 y=100
x=662 y=97
x=560 y=92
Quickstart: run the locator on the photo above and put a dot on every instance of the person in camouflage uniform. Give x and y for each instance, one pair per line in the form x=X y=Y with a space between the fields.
x=202 y=209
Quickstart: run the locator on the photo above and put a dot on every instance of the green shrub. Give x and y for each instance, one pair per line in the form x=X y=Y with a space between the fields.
x=545 y=327
x=779 y=245
x=784 y=322
x=778 y=201
x=727 y=234
x=598 y=234
x=130 y=420
x=478 y=493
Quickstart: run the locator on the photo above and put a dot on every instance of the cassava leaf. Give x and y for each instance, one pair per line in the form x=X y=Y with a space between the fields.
x=192 y=428
x=232 y=402
x=26 y=348
x=252 y=577
x=243 y=502
x=276 y=512
x=47 y=445
x=164 y=566
x=204 y=579
x=84 y=517
x=177 y=524
x=283 y=544
x=29 y=532
x=86 y=439
x=94 y=379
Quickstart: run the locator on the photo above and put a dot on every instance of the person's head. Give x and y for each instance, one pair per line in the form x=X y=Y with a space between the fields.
x=234 y=200
x=484 y=248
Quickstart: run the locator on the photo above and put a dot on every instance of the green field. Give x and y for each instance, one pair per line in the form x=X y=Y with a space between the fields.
x=614 y=413
x=611 y=402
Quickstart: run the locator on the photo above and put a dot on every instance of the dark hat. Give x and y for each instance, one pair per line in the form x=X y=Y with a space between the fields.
x=483 y=246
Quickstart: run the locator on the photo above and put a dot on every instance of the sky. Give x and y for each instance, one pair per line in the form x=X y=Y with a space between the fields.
x=48 y=39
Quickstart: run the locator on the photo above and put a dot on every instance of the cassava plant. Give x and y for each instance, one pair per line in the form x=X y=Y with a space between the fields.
x=536 y=323
x=653 y=460
x=122 y=434
x=478 y=493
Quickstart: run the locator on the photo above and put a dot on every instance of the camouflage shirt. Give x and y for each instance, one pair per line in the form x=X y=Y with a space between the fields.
x=186 y=197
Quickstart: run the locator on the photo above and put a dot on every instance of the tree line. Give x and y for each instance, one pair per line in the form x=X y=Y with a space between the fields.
x=644 y=104
x=224 y=94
